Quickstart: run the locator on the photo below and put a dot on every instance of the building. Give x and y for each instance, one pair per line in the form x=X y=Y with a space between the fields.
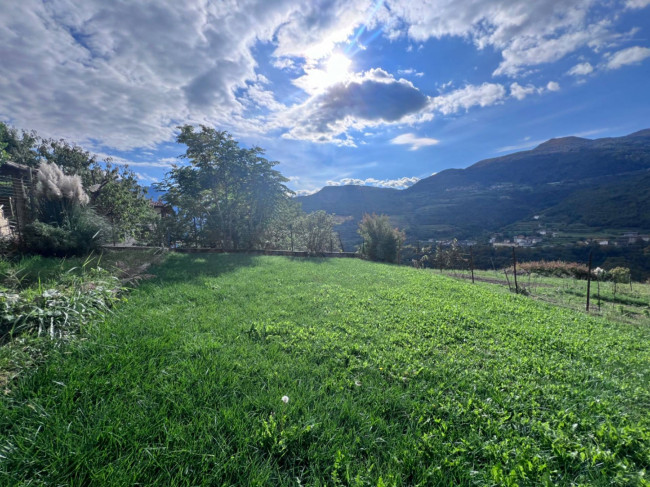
x=163 y=209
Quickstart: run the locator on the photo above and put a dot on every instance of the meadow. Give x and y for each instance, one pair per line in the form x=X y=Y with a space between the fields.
x=618 y=302
x=253 y=370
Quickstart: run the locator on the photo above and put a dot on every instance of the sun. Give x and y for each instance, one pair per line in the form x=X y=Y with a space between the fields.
x=324 y=73
x=337 y=69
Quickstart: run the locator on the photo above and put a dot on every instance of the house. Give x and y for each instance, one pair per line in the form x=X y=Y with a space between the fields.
x=163 y=209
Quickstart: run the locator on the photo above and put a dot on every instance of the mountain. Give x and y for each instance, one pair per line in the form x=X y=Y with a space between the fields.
x=600 y=183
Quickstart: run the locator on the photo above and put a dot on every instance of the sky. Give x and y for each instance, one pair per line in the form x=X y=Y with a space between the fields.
x=369 y=92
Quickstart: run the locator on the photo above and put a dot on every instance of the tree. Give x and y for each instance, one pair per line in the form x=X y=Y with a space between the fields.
x=19 y=147
x=227 y=195
x=382 y=242
x=315 y=232
x=454 y=256
x=619 y=275
x=440 y=259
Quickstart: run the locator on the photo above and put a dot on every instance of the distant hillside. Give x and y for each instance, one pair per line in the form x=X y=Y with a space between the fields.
x=596 y=182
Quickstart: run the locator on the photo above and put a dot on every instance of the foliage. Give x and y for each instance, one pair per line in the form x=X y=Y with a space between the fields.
x=227 y=195
x=382 y=242
x=113 y=191
x=123 y=202
x=64 y=226
x=59 y=308
x=555 y=268
x=393 y=376
x=619 y=275
x=19 y=146
x=57 y=195
x=314 y=233
x=81 y=232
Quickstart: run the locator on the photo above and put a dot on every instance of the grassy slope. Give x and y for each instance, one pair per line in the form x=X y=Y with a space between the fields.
x=392 y=373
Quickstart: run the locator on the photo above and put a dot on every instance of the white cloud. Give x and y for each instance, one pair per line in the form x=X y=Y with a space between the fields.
x=631 y=55
x=415 y=142
x=146 y=178
x=471 y=95
x=164 y=162
x=410 y=72
x=400 y=183
x=553 y=86
x=637 y=4
x=123 y=75
x=520 y=92
x=526 y=33
x=581 y=69
x=305 y=192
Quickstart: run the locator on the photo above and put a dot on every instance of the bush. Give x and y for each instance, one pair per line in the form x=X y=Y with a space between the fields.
x=382 y=242
x=556 y=268
x=82 y=232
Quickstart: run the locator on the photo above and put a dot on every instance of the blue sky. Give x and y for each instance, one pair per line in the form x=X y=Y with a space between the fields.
x=339 y=92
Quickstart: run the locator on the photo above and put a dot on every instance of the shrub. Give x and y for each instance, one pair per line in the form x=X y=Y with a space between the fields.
x=556 y=268
x=382 y=242
x=81 y=233
x=58 y=194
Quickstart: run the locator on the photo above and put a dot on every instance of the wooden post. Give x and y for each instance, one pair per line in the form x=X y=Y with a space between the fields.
x=471 y=262
x=507 y=278
x=291 y=233
x=589 y=281
x=514 y=266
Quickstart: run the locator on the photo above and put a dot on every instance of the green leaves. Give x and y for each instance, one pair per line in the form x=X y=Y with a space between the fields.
x=228 y=195
x=381 y=241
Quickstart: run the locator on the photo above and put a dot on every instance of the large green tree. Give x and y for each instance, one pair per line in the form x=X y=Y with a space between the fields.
x=227 y=195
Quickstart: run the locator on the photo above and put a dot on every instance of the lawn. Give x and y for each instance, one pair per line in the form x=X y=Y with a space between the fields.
x=394 y=376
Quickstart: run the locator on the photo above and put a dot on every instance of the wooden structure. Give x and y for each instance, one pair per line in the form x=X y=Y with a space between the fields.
x=16 y=195
x=162 y=208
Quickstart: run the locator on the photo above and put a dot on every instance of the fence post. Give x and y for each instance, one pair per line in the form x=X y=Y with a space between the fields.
x=471 y=262
x=514 y=266
x=589 y=280
x=291 y=235
x=505 y=271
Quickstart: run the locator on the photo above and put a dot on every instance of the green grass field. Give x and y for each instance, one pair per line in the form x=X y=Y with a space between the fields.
x=394 y=376
x=620 y=302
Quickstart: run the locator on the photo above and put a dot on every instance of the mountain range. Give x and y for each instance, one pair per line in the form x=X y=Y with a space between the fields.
x=569 y=185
